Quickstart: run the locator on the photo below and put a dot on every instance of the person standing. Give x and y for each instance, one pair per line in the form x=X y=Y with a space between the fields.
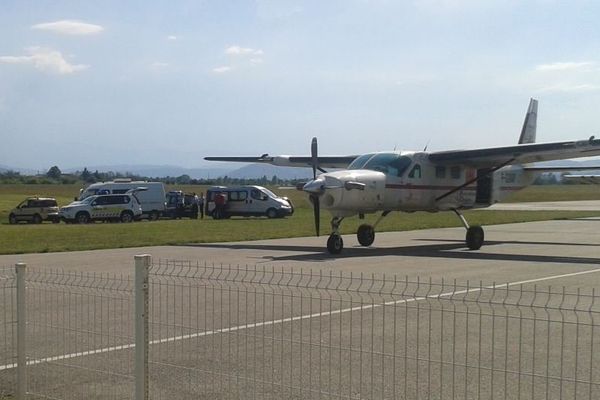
x=201 y=205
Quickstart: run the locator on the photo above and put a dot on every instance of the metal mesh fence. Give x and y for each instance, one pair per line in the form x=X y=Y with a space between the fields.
x=79 y=335
x=255 y=333
x=220 y=332
x=8 y=326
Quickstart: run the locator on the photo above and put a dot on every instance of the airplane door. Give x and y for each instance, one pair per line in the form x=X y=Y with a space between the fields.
x=484 y=186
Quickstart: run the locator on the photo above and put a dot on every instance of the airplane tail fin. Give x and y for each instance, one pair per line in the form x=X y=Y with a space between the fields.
x=530 y=123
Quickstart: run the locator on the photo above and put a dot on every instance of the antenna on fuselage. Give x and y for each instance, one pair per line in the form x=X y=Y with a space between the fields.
x=426 y=145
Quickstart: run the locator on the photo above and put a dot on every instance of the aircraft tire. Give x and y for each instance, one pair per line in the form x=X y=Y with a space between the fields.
x=335 y=244
x=475 y=237
x=365 y=235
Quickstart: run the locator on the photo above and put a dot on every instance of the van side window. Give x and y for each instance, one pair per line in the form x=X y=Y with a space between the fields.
x=237 y=196
x=415 y=172
x=120 y=191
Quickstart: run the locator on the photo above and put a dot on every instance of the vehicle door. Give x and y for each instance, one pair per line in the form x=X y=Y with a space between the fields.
x=237 y=202
x=99 y=206
x=24 y=210
x=258 y=201
x=414 y=186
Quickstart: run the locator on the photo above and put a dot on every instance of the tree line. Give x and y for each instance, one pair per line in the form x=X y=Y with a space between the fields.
x=55 y=176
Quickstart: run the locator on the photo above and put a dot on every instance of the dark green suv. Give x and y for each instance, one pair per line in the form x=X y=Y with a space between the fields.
x=35 y=210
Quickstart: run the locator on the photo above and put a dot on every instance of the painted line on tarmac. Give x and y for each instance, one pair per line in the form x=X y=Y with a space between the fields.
x=291 y=319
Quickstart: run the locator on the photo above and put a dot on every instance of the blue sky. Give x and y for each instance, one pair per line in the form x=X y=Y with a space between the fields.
x=169 y=82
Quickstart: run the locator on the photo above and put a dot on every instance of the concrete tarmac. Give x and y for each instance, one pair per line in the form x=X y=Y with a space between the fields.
x=511 y=252
x=355 y=352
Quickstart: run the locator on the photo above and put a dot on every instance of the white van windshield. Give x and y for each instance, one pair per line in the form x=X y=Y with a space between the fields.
x=269 y=193
x=87 y=193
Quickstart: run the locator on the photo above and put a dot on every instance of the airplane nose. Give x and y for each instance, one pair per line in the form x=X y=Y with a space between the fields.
x=316 y=186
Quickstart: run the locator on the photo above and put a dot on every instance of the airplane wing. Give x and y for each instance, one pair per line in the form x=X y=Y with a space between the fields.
x=593 y=179
x=542 y=168
x=292 y=161
x=519 y=154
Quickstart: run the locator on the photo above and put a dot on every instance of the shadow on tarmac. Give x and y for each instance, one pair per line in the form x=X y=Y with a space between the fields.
x=450 y=249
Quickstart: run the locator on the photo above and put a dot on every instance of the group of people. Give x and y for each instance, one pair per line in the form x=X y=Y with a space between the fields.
x=199 y=203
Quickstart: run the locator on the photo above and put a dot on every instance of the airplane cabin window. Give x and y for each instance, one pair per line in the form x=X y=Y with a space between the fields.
x=440 y=172
x=455 y=172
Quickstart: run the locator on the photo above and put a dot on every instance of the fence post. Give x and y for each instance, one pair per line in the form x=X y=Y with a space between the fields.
x=142 y=265
x=21 y=332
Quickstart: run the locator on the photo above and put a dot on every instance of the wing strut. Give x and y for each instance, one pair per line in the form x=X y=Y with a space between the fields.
x=478 y=177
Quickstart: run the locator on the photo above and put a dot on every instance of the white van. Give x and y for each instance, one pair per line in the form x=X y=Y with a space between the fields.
x=224 y=202
x=152 y=200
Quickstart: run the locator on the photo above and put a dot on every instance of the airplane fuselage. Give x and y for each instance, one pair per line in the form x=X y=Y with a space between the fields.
x=409 y=182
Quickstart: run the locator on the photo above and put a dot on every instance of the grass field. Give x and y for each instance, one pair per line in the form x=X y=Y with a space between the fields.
x=26 y=238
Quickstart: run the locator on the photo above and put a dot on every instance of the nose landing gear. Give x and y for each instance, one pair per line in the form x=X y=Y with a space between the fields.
x=335 y=243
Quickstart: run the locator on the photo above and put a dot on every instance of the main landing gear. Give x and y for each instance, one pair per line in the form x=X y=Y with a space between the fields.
x=365 y=234
x=475 y=236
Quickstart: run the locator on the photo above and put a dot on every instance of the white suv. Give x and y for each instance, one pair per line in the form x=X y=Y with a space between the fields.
x=121 y=207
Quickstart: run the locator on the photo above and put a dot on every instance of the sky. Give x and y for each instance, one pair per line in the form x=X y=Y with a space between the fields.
x=170 y=82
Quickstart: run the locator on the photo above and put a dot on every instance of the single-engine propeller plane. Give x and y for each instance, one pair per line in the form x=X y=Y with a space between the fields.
x=411 y=181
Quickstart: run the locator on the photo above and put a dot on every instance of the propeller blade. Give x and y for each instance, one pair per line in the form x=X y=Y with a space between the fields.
x=314 y=156
x=316 y=211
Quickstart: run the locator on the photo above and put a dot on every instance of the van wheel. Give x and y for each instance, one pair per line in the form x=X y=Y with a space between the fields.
x=126 y=217
x=36 y=219
x=82 y=217
x=153 y=216
x=12 y=219
x=271 y=213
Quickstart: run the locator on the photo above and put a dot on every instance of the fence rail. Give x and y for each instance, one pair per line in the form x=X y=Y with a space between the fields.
x=188 y=330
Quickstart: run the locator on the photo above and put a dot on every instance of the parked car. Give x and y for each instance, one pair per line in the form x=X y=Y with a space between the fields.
x=224 y=202
x=111 y=207
x=35 y=210
x=180 y=204
x=152 y=199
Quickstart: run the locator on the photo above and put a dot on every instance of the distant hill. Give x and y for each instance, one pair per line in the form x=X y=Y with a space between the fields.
x=268 y=170
x=229 y=169
x=233 y=170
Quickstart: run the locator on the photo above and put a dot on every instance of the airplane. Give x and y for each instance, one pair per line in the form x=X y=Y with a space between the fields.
x=410 y=181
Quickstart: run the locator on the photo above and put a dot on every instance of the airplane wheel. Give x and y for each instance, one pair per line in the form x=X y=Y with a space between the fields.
x=335 y=244
x=365 y=235
x=475 y=237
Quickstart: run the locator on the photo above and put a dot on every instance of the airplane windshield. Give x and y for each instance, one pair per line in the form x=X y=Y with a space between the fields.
x=360 y=162
x=388 y=163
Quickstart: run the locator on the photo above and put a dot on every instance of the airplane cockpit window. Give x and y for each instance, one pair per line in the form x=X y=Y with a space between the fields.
x=415 y=172
x=360 y=162
x=388 y=163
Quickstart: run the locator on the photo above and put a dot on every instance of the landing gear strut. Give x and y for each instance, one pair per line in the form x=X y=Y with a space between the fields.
x=366 y=232
x=475 y=236
x=335 y=243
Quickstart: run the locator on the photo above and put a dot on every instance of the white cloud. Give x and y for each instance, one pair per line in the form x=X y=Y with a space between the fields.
x=564 y=66
x=243 y=51
x=171 y=37
x=256 y=61
x=222 y=70
x=46 y=60
x=566 y=87
x=68 y=27
x=159 y=65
